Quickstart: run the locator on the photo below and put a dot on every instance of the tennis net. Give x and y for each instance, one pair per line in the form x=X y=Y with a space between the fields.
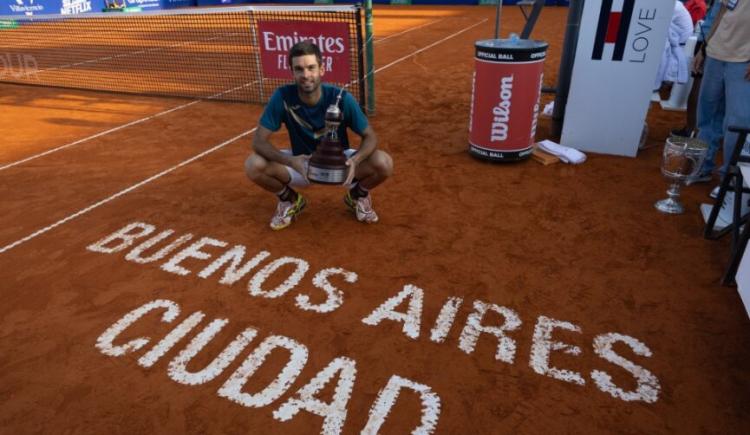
x=231 y=53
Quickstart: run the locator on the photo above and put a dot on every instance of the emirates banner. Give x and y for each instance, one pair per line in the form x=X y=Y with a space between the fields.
x=277 y=37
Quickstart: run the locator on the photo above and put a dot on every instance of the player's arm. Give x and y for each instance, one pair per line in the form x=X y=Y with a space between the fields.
x=367 y=146
x=358 y=122
x=263 y=146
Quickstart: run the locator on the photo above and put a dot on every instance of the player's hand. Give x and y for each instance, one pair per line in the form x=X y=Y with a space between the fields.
x=352 y=164
x=299 y=164
x=698 y=62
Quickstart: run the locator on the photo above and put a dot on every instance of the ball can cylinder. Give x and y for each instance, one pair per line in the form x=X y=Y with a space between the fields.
x=506 y=88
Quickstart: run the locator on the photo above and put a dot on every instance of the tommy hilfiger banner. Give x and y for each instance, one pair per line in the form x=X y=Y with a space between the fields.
x=619 y=48
x=612 y=28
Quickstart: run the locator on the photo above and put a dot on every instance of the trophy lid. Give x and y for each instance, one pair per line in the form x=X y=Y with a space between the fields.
x=333 y=113
x=692 y=142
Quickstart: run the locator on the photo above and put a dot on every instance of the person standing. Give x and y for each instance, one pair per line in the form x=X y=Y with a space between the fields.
x=725 y=89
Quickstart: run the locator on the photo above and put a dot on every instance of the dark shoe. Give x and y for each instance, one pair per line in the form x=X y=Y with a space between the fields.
x=700 y=178
x=682 y=132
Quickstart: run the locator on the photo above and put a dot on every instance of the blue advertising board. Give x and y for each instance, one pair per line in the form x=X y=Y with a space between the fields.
x=70 y=7
x=40 y=7
x=220 y=2
x=150 y=5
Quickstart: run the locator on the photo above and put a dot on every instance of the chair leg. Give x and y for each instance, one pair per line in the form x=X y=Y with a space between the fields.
x=740 y=234
x=736 y=257
x=724 y=187
x=733 y=177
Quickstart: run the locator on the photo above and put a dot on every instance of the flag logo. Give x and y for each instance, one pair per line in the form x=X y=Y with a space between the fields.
x=613 y=28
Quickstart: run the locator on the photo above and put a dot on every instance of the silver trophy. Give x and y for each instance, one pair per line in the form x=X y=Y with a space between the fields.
x=328 y=162
x=682 y=159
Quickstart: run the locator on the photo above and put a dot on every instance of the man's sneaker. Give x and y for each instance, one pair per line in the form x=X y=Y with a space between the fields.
x=725 y=217
x=682 y=132
x=701 y=178
x=286 y=212
x=362 y=208
x=715 y=192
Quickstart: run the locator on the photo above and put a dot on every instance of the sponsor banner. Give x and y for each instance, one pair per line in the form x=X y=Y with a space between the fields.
x=146 y=4
x=30 y=7
x=49 y=7
x=177 y=3
x=277 y=37
x=219 y=2
x=617 y=55
x=8 y=24
x=71 y=7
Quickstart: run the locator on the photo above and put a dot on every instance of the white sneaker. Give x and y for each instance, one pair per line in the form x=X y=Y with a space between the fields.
x=362 y=208
x=715 y=192
x=720 y=223
x=726 y=213
x=286 y=212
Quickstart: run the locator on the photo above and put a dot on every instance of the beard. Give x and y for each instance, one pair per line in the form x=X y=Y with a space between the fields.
x=309 y=87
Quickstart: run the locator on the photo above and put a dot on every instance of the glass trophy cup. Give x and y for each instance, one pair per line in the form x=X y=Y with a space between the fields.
x=682 y=159
x=328 y=163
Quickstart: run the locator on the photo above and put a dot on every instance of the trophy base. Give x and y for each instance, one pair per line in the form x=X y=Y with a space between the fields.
x=669 y=206
x=323 y=175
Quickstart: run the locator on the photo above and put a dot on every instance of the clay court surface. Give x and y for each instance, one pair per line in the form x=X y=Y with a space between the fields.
x=579 y=250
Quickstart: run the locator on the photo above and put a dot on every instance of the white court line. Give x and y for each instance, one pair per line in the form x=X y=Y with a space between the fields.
x=112 y=130
x=124 y=191
x=407 y=31
x=190 y=160
x=430 y=46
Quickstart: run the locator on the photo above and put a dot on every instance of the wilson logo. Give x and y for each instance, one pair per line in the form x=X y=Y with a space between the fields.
x=501 y=112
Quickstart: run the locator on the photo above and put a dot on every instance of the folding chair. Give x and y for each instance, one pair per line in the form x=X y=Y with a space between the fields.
x=536 y=9
x=739 y=227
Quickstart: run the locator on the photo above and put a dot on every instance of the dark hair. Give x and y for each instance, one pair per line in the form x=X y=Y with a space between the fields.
x=303 y=48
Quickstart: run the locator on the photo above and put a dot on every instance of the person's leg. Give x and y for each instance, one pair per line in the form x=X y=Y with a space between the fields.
x=277 y=178
x=270 y=176
x=711 y=111
x=692 y=104
x=369 y=174
x=376 y=169
x=737 y=106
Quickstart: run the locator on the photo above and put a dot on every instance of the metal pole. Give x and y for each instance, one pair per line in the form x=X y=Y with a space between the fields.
x=370 y=62
x=497 y=18
x=575 y=12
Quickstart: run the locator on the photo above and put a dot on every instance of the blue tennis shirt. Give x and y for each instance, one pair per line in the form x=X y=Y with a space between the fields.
x=306 y=124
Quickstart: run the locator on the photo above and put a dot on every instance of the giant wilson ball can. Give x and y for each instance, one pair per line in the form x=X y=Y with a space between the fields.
x=505 y=98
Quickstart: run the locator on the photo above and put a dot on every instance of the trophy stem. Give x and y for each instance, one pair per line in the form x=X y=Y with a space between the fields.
x=671 y=205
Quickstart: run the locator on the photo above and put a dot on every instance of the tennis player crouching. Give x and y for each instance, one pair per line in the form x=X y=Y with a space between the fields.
x=301 y=107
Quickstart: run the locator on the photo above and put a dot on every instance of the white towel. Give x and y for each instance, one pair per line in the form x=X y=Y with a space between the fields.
x=674 y=65
x=566 y=154
x=549 y=108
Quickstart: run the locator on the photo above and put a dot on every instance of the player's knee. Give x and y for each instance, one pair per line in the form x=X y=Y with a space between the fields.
x=255 y=167
x=383 y=164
